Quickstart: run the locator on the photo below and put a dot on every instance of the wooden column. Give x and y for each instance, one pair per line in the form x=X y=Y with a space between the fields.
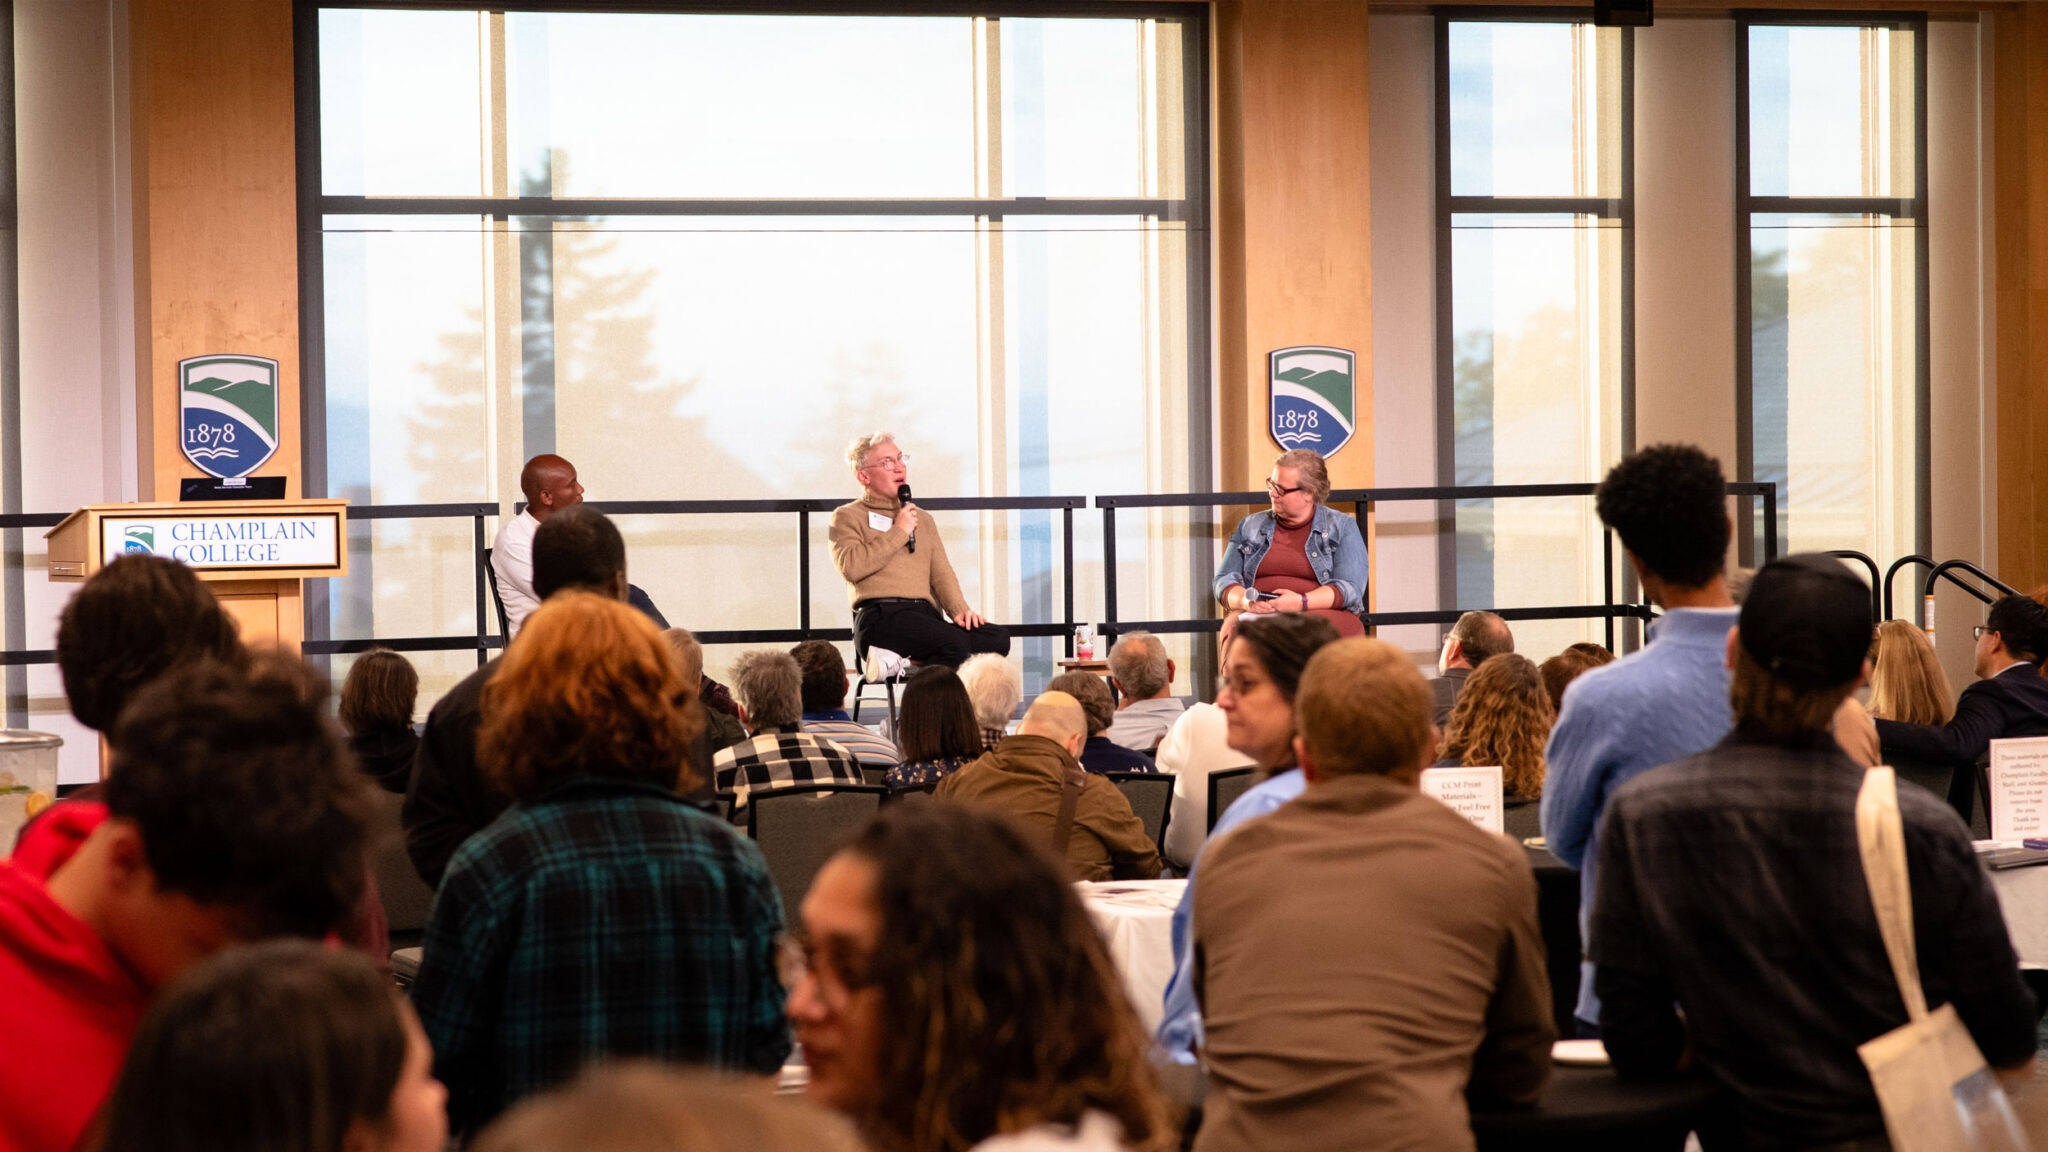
x=216 y=249
x=1293 y=235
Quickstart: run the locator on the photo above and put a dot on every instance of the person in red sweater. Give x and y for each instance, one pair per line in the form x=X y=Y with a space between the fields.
x=232 y=812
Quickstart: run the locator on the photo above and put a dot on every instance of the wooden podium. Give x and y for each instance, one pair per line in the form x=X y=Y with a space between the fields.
x=254 y=553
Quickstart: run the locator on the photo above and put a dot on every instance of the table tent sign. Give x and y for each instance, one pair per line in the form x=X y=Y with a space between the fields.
x=1314 y=397
x=1477 y=794
x=2019 y=788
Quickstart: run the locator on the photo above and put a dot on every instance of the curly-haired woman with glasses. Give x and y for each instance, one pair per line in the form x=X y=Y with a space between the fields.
x=950 y=993
x=1299 y=556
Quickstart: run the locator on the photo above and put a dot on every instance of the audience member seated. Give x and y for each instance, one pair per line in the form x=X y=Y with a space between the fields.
x=279 y=1047
x=377 y=700
x=779 y=752
x=1503 y=717
x=2009 y=699
x=1767 y=970
x=1261 y=670
x=637 y=1106
x=232 y=812
x=1298 y=556
x=1853 y=727
x=450 y=798
x=937 y=730
x=1475 y=638
x=824 y=702
x=721 y=729
x=1143 y=673
x=951 y=993
x=1907 y=681
x=1195 y=748
x=1034 y=780
x=131 y=622
x=549 y=484
x=1669 y=505
x=1385 y=1011
x=996 y=687
x=1098 y=754
x=603 y=915
x=1560 y=670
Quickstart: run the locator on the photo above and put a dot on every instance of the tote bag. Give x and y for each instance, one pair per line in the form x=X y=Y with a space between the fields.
x=1935 y=1090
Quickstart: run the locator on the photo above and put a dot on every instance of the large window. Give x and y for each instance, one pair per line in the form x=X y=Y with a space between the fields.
x=1831 y=189
x=697 y=254
x=1533 y=323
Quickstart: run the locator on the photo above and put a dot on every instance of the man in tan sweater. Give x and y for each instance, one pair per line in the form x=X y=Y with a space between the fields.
x=1028 y=778
x=1367 y=960
x=897 y=574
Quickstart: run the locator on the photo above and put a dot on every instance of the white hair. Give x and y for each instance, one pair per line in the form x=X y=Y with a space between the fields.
x=995 y=685
x=857 y=452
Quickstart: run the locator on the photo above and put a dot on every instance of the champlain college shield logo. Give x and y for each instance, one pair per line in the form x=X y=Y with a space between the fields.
x=139 y=539
x=228 y=408
x=1312 y=397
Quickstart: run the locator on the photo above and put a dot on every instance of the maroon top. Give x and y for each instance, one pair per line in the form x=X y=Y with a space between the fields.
x=1285 y=569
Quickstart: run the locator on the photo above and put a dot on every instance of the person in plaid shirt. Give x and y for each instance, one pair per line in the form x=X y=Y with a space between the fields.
x=602 y=916
x=770 y=688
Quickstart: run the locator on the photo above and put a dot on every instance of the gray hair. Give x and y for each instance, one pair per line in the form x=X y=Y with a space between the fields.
x=1482 y=634
x=857 y=452
x=995 y=686
x=770 y=687
x=1138 y=661
x=1314 y=474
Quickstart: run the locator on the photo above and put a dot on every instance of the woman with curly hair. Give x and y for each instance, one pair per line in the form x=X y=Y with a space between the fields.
x=602 y=915
x=1503 y=716
x=951 y=993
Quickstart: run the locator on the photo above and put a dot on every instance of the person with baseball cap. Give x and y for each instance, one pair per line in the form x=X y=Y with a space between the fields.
x=1733 y=928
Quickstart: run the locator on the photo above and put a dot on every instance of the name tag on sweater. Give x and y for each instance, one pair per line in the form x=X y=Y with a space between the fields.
x=879 y=522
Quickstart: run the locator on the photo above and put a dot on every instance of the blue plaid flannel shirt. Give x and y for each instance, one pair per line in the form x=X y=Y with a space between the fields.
x=609 y=918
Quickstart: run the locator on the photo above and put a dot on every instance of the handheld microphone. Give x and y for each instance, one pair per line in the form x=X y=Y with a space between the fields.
x=903 y=495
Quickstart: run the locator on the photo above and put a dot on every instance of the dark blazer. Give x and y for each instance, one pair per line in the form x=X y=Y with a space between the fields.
x=2012 y=703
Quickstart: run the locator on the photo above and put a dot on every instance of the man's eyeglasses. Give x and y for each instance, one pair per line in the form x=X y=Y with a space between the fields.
x=890 y=461
x=1977 y=632
x=1276 y=491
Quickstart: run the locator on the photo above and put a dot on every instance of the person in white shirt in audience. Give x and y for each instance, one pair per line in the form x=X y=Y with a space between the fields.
x=1142 y=671
x=824 y=701
x=549 y=484
x=952 y=994
x=1195 y=748
x=996 y=687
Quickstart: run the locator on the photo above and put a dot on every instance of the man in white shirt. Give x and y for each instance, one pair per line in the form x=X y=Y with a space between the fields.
x=1142 y=671
x=549 y=484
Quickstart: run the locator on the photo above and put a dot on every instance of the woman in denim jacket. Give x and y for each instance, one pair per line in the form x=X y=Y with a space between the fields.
x=1299 y=557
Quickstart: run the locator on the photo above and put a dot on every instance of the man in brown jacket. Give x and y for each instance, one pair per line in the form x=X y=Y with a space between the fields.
x=1029 y=777
x=1366 y=959
x=897 y=574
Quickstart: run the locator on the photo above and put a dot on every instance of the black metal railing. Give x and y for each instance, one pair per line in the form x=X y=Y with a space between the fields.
x=1362 y=501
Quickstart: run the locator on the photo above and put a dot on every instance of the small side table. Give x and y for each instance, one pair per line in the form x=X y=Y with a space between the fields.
x=1099 y=667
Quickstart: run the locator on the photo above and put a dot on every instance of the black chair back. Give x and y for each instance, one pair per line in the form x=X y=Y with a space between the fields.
x=406 y=897
x=800 y=826
x=497 y=601
x=870 y=774
x=1151 y=797
x=1225 y=788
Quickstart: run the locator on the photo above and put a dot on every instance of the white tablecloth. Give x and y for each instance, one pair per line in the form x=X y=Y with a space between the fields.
x=1136 y=919
x=2023 y=896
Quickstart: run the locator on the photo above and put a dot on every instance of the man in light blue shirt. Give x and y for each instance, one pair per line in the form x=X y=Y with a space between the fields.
x=1180 y=1028
x=1667 y=701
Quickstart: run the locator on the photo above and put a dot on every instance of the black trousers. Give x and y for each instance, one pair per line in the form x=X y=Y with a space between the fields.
x=918 y=630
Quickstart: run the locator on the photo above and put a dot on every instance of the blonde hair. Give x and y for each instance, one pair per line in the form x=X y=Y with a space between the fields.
x=1503 y=716
x=1362 y=708
x=857 y=452
x=1907 y=683
x=1314 y=474
x=637 y=1106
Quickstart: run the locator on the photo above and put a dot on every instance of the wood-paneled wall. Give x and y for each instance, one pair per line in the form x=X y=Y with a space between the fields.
x=1293 y=227
x=215 y=212
x=2019 y=141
